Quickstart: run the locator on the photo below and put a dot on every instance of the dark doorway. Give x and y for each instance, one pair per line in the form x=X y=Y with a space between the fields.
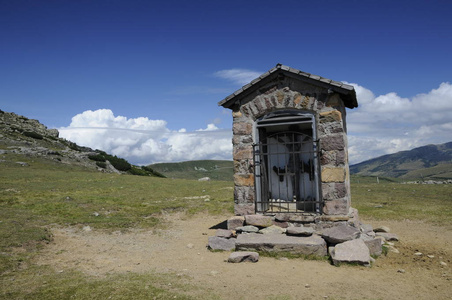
x=286 y=163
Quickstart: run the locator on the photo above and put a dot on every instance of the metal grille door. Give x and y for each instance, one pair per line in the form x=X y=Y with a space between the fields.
x=286 y=172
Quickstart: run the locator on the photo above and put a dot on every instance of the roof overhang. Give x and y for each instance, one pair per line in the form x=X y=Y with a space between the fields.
x=346 y=91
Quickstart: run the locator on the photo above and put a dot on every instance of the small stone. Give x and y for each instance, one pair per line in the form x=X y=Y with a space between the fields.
x=393 y=250
x=96 y=214
x=365 y=228
x=87 y=228
x=339 y=234
x=400 y=271
x=283 y=259
x=225 y=233
x=442 y=263
x=418 y=254
x=382 y=229
x=388 y=236
x=190 y=246
x=431 y=256
x=248 y=228
x=258 y=220
x=235 y=222
x=243 y=256
x=272 y=230
x=307 y=285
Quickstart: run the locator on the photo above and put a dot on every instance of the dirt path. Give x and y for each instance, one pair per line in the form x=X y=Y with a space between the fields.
x=181 y=250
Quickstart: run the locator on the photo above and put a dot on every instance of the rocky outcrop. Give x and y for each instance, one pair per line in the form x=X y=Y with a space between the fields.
x=31 y=139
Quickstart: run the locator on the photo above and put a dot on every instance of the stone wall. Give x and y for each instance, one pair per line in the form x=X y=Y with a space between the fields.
x=329 y=112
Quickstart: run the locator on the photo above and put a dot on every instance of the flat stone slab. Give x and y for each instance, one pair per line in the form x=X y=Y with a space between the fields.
x=288 y=217
x=248 y=228
x=300 y=231
x=354 y=251
x=219 y=243
x=339 y=234
x=313 y=245
x=258 y=220
x=243 y=256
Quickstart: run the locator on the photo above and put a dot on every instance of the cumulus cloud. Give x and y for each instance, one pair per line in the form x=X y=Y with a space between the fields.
x=380 y=125
x=390 y=123
x=238 y=76
x=143 y=141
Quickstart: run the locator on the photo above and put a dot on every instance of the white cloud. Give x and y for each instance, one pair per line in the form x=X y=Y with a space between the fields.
x=380 y=125
x=144 y=141
x=238 y=76
x=389 y=123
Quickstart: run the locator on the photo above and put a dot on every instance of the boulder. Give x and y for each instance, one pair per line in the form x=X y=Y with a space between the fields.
x=235 y=222
x=354 y=251
x=300 y=231
x=243 y=256
x=258 y=220
x=313 y=245
x=339 y=234
x=219 y=243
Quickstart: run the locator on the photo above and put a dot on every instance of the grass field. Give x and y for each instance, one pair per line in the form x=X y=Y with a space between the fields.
x=39 y=196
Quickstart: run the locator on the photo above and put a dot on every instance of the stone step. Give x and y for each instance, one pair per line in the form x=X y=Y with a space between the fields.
x=312 y=245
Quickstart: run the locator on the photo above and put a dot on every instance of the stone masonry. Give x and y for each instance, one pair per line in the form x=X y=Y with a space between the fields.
x=311 y=96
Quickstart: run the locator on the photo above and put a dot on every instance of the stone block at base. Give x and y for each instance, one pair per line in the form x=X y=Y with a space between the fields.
x=219 y=243
x=354 y=251
x=313 y=245
x=243 y=256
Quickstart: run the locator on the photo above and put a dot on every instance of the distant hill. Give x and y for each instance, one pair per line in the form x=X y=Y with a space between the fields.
x=214 y=169
x=428 y=162
x=26 y=141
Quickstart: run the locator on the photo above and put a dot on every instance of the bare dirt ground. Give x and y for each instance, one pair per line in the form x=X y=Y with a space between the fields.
x=181 y=249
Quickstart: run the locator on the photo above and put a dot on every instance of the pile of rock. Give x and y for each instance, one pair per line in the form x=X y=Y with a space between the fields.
x=344 y=241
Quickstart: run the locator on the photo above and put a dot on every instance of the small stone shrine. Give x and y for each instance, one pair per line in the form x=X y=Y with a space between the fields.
x=291 y=171
x=290 y=144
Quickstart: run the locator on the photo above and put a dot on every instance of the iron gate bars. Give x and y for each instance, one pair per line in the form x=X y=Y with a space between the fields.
x=286 y=173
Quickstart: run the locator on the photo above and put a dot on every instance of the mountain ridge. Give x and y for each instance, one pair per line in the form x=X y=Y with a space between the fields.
x=27 y=139
x=433 y=161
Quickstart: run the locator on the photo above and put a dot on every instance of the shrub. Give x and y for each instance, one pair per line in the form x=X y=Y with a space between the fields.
x=101 y=164
x=33 y=134
x=137 y=171
x=97 y=157
x=153 y=172
x=120 y=164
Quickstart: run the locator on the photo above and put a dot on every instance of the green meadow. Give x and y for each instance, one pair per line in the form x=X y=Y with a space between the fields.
x=36 y=197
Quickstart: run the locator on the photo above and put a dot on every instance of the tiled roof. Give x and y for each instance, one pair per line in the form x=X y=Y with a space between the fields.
x=336 y=86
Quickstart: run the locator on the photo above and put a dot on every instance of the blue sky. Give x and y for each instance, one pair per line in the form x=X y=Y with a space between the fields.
x=123 y=65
